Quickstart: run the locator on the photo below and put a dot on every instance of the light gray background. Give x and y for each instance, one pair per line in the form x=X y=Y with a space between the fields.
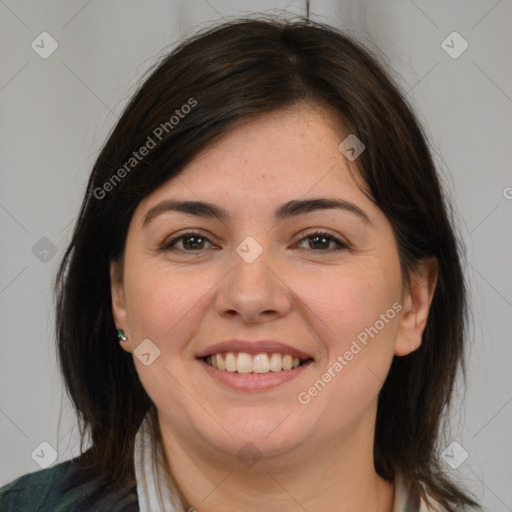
x=57 y=112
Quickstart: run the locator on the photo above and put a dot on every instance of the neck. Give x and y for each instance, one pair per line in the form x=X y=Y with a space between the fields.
x=336 y=476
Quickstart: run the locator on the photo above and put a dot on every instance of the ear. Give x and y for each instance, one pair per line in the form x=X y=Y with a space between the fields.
x=416 y=302
x=117 y=291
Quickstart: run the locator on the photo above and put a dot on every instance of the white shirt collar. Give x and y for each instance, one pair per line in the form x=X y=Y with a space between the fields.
x=152 y=486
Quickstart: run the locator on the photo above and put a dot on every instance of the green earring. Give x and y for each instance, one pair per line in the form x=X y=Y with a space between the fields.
x=120 y=335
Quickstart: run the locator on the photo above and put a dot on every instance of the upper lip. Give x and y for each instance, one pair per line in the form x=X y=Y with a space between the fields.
x=253 y=347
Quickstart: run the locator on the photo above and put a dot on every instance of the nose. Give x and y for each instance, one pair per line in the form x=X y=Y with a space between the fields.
x=255 y=290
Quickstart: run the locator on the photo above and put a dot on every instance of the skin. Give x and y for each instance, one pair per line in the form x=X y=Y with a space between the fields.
x=314 y=457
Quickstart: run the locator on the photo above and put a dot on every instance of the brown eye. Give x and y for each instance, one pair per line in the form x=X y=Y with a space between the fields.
x=321 y=242
x=189 y=242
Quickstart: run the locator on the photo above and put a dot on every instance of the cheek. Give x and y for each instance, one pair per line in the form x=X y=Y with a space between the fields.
x=167 y=304
x=355 y=311
x=350 y=300
x=165 y=307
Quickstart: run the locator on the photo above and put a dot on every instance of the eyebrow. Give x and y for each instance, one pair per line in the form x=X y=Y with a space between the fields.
x=287 y=210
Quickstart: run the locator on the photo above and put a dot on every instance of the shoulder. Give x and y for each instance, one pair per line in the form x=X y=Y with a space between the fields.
x=35 y=491
x=61 y=488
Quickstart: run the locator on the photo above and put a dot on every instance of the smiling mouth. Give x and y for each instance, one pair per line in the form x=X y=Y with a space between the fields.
x=265 y=362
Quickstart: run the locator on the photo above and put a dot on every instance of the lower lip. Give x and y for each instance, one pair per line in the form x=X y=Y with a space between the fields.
x=254 y=381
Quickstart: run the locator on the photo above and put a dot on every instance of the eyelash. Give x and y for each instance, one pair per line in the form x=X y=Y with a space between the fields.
x=168 y=246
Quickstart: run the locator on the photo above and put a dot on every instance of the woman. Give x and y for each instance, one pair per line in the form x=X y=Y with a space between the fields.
x=265 y=234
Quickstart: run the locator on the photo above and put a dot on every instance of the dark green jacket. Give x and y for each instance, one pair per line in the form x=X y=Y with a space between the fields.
x=62 y=488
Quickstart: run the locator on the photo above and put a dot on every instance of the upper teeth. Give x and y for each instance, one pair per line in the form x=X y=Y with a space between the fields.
x=242 y=362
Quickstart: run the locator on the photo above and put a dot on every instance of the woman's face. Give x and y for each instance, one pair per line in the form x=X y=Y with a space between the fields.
x=259 y=263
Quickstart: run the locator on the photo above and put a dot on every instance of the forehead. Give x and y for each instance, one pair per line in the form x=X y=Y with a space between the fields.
x=293 y=140
x=276 y=156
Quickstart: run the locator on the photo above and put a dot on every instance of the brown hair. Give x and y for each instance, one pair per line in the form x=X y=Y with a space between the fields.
x=232 y=71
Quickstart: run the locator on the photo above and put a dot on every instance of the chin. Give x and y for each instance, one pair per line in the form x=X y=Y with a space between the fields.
x=269 y=437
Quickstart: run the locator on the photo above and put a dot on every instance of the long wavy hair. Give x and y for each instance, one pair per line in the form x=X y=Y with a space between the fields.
x=233 y=71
